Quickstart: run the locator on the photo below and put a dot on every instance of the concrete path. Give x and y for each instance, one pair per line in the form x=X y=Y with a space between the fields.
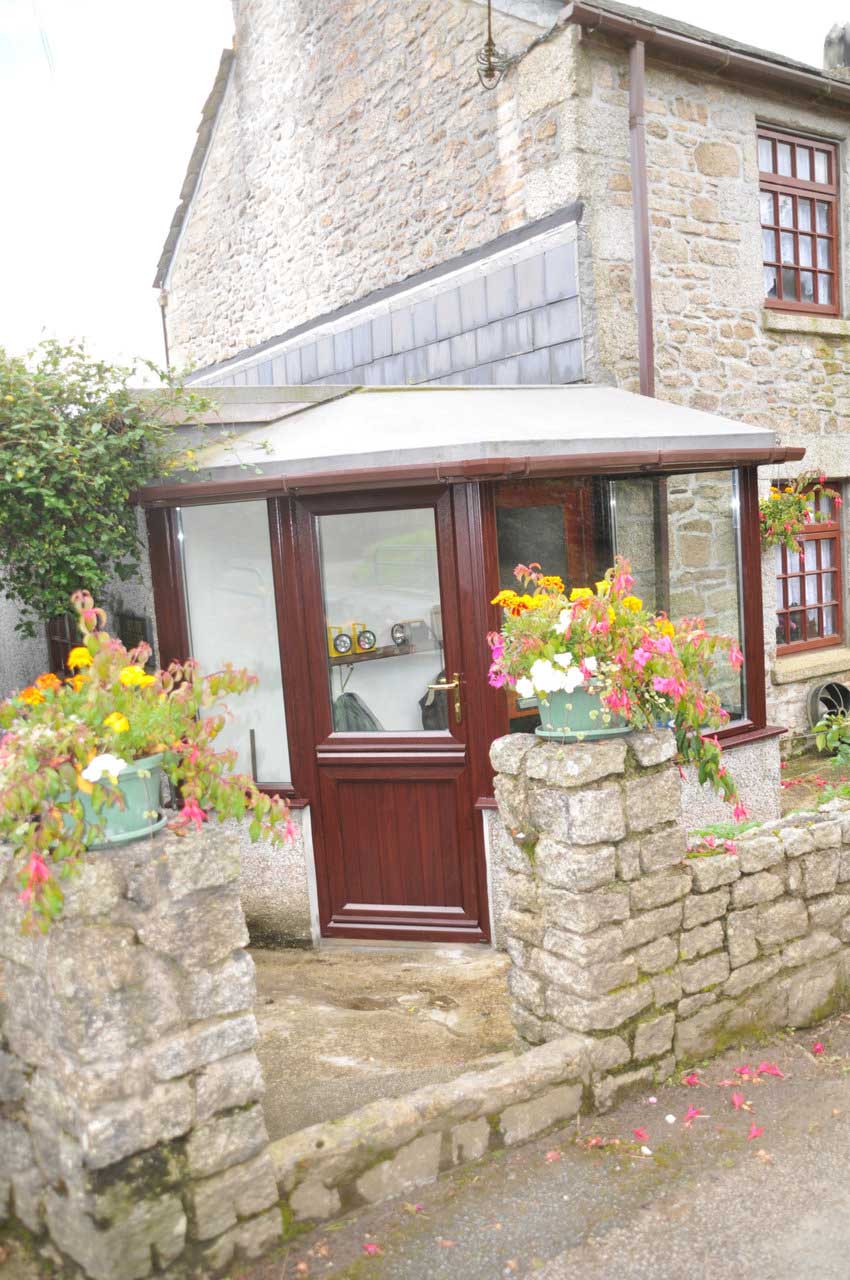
x=344 y=1026
x=706 y=1202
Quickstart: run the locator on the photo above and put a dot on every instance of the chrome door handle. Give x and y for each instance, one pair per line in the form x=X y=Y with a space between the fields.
x=444 y=686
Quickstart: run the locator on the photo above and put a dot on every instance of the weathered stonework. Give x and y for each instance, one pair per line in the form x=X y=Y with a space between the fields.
x=132 y=1138
x=663 y=963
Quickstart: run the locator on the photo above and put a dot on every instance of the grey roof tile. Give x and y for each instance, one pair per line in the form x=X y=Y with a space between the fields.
x=534 y=368
x=402 y=326
x=293 y=366
x=343 y=350
x=438 y=358
x=448 y=313
x=560 y=268
x=382 y=336
x=463 y=352
x=325 y=355
x=559 y=322
x=530 y=283
x=309 y=362
x=567 y=363
x=501 y=293
x=473 y=303
x=424 y=322
x=361 y=340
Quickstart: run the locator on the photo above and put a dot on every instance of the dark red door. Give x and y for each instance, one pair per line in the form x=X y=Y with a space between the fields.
x=397 y=839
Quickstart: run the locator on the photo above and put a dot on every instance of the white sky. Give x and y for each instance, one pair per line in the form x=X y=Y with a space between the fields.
x=99 y=104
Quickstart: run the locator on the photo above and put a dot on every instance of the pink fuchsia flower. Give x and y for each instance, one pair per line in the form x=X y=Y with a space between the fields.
x=618 y=700
x=736 y=657
x=496 y=677
x=692 y=1080
x=641 y=657
x=730 y=846
x=37 y=873
x=663 y=645
x=738 y=1101
x=641 y=1135
x=669 y=684
x=496 y=641
x=739 y=813
x=755 y=1132
x=692 y=1114
x=817 y=1048
x=623 y=582
x=192 y=812
x=769 y=1069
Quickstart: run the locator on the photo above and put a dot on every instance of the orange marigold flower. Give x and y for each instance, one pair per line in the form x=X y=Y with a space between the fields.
x=76 y=682
x=31 y=695
x=47 y=680
x=551 y=582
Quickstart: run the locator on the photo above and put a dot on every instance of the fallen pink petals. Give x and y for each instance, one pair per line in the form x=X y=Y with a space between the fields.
x=692 y=1114
x=769 y=1069
x=755 y=1132
x=692 y=1080
x=744 y=1071
x=372 y=1249
x=817 y=1048
x=552 y=1156
x=738 y=1101
x=641 y=1135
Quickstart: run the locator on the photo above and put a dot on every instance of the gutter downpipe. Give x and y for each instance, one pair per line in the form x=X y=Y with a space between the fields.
x=640 y=212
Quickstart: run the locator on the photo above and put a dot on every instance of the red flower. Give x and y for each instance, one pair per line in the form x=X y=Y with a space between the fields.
x=641 y=1135
x=755 y=1132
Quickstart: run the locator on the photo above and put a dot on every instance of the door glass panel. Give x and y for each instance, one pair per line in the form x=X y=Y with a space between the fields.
x=383 y=620
x=232 y=618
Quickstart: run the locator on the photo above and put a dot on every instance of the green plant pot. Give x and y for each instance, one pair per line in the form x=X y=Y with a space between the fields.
x=566 y=717
x=139 y=783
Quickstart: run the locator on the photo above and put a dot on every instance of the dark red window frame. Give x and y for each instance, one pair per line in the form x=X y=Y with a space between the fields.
x=799 y=193
x=793 y=622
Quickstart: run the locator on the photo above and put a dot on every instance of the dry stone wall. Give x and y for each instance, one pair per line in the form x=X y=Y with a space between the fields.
x=660 y=958
x=132 y=1138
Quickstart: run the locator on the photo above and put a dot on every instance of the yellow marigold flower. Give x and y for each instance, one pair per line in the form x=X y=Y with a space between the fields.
x=116 y=722
x=612 y=617
x=135 y=677
x=666 y=628
x=79 y=657
x=633 y=603
x=603 y=587
x=581 y=593
x=31 y=695
x=48 y=681
x=505 y=598
x=551 y=582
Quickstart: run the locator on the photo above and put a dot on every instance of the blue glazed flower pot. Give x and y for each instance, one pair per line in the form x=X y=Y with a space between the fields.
x=577 y=717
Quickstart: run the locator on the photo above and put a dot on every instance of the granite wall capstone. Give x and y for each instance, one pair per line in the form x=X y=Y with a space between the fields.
x=659 y=957
x=132 y=1138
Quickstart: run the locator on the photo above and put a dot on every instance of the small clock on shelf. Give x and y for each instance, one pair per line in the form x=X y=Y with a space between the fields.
x=365 y=640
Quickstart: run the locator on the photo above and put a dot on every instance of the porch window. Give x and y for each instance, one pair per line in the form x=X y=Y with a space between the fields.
x=808 y=586
x=230 y=603
x=798 y=196
x=680 y=533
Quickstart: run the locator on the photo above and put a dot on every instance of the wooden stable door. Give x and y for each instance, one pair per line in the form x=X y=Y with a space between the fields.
x=398 y=842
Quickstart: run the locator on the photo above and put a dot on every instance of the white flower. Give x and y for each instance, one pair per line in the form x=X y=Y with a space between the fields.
x=524 y=687
x=546 y=678
x=565 y=617
x=573 y=679
x=563 y=659
x=590 y=663
x=106 y=764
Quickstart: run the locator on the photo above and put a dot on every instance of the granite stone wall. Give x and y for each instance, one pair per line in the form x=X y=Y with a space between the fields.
x=132 y=1138
x=659 y=957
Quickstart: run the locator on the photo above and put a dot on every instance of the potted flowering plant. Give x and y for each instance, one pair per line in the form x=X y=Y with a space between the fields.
x=785 y=513
x=81 y=759
x=599 y=664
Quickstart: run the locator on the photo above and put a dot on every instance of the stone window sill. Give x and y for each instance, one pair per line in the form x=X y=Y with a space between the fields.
x=808 y=666
x=801 y=322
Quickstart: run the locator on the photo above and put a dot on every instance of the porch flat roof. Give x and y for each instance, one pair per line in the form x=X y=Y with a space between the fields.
x=366 y=436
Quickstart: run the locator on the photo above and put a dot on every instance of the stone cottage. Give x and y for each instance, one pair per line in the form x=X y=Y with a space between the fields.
x=637 y=209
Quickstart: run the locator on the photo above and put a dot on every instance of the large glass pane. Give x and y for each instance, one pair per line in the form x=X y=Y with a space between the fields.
x=232 y=618
x=687 y=560
x=383 y=620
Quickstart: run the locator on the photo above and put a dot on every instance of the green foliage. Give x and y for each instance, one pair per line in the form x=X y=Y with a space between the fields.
x=75 y=442
x=62 y=740
x=786 y=513
x=726 y=830
x=832 y=734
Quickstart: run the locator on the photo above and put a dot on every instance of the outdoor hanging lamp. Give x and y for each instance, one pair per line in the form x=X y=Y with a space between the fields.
x=492 y=62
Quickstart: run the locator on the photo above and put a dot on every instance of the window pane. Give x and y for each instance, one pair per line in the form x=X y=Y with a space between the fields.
x=768 y=245
x=703 y=565
x=826 y=553
x=825 y=290
x=813 y=624
x=786 y=211
x=830 y=621
x=789 y=283
x=812 y=588
x=805 y=243
x=795 y=591
x=795 y=628
x=770 y=290
x=810 y=553
x=766 y=206
x=765 y=155
x=780 y=594
x=382 y=608
x=807 y=286
x=783 y=159
x=828 y=587
x=232 y=618
x=804 y=163
x=780 y=631
x=804 y=215
x=823 y=254
x=787 y=240
x=821 y=166
x=822 y=215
